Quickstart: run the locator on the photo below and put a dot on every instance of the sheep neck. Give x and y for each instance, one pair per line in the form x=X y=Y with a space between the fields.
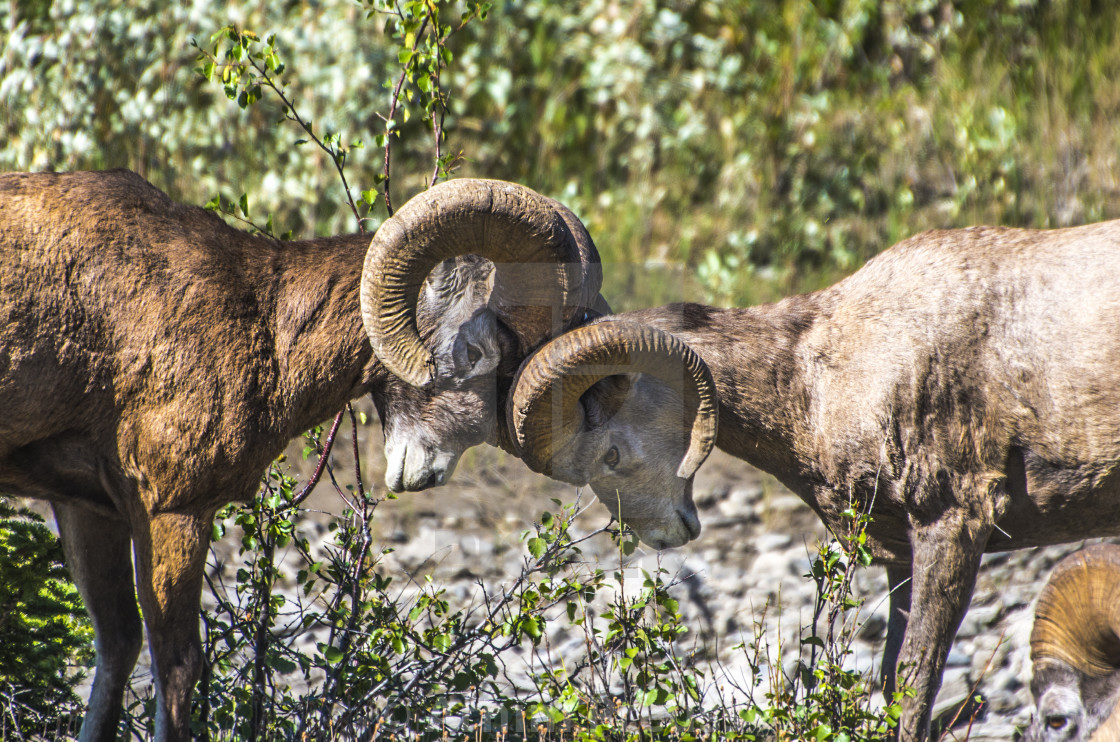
x=309 y=291
x=751 y=353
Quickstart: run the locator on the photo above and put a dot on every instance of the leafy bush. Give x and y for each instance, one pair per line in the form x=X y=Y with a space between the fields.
x=352 y=654
x=45 y=638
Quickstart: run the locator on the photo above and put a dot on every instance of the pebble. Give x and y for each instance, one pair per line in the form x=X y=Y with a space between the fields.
x=740 y=502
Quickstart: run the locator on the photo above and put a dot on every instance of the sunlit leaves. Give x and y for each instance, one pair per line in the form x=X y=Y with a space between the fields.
x=44 y=633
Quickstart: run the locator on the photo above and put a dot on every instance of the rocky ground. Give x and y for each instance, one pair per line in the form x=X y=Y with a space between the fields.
x=747 y=566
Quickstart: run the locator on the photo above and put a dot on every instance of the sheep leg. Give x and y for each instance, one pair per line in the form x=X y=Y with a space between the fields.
x=946 y=561
x=170 y=559
x=97 y=553
x=898 y=576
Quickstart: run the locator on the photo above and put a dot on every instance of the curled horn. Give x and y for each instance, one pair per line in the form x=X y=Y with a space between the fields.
x=1077 y=620
x=547 y=270
x=548 y=387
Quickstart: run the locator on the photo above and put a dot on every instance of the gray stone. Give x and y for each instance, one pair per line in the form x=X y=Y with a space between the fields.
x=772 y=541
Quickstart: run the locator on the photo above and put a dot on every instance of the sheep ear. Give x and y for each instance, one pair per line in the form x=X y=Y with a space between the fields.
x=440 y=274
x=602 y=401
x=477 y=350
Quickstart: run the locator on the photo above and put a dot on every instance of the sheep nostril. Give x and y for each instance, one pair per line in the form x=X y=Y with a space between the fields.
x=691 y=522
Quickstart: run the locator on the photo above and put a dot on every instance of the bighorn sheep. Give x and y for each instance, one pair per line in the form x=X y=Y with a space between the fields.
x=963 y=385
x=1075 y=650
x=154 y=360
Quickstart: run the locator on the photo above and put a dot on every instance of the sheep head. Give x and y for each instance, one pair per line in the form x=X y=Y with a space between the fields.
x=449 y=327
x=1075 y=650
x=608 y=405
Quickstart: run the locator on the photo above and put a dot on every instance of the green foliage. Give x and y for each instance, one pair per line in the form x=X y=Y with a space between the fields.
x=822 y=699
x=772 y=146
x=766 y=146
x=352 y=654
x=44 y=637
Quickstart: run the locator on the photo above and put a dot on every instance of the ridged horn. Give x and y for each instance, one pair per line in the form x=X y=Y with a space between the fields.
x=1077 y=620
x=548 y=386
x=547 y=272
x=592 y=279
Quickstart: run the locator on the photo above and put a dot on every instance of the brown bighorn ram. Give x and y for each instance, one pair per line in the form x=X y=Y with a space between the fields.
x=154 y=360
x=1075 y=650
x=964 y=385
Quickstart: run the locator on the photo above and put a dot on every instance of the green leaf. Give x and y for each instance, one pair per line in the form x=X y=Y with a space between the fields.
x=243 y=203
x=537 y=547
x=332 y=655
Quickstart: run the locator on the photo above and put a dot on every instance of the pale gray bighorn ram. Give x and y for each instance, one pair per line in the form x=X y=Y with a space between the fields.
x=1075 y=650
x=154 y=360
x=964 y=385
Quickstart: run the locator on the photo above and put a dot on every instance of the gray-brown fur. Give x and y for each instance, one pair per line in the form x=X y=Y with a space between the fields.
x=153 y=361
x=965 y=384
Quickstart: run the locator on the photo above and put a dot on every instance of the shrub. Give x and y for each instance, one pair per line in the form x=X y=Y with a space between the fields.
x=45 y=639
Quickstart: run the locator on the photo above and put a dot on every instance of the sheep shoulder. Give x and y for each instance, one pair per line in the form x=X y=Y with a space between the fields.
x=127 y=317
x=973 y=363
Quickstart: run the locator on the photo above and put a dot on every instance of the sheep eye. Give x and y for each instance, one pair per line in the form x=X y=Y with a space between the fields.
x=611 y=459
x=1055 y=721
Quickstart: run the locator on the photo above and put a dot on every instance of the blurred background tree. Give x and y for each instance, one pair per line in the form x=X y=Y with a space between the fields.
x=758 y=146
